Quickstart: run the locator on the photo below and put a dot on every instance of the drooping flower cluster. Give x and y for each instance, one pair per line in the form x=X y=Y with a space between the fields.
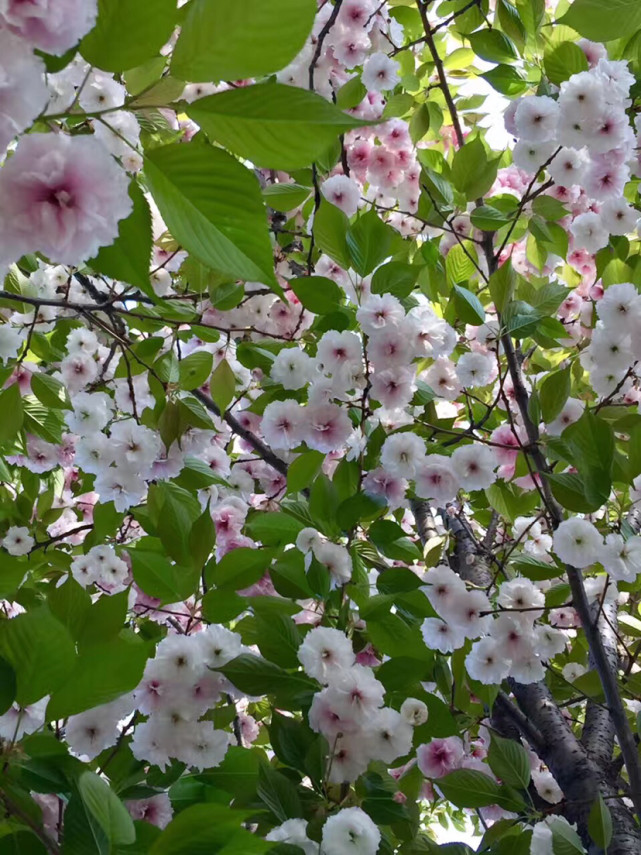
x=349 y=711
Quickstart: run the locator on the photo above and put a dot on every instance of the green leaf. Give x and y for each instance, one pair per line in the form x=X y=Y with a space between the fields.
x=391 y=540
x=502 y=284
x=273 y=125
x=220 y=40
x=505 y=80
x=279 y=794
x=50 y=391
x=12 y=412
x=564 y=60
x=603 y=22
x=509 y=761
x=81 y=833
x=468 y=788
x=129 y=256
x=493 y=46
x=302 y=471
x=101 y=674
x=473 y=172
x=106 y=808
x=173 y=510
x=71 y=604
x=213 y=207
x=359 y=508
x=591 y=441
x=222 y=385
x=569 y=490
x=351 y=93
x=369 y=241
x=317 y=293
x=488 y=219
x=7 y=686
x=285 y=197
x=273 y=528
x=469 y=308
x=242 y=567
x=40 y=651
x=565 y=840
x=510 y=21
x=279 y=639
x=158 y=577
x=330 y=230
x=256 y=676
x=195 y=369
x=128 y=33
x=201 y=830
x=291 y=740
x=554 y=392
x=600 y=823
x=202 y=538
x=395 y=278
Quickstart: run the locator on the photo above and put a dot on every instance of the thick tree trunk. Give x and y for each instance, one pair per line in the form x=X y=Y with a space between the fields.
x=598 y=730
x=580 y=777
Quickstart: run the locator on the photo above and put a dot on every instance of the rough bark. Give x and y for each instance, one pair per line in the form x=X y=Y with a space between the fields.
x=598 y=731
x=578 y=775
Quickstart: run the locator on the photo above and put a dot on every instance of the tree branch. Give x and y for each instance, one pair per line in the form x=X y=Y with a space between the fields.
x=440 y=70
x=259 y=447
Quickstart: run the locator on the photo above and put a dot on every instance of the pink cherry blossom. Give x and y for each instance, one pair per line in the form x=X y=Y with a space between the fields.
x=53 y=26
x=62 y=196
x=440 y=756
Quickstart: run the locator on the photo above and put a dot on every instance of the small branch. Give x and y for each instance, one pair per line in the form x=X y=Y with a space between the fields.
x=440 y=70
x=522 y=723
x=259 y=447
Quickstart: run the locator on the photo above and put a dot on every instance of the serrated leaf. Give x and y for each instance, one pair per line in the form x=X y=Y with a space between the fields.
x=127 y=33
x=212 y=205
x=220 y=40
x=253 y=121
x=509 y=761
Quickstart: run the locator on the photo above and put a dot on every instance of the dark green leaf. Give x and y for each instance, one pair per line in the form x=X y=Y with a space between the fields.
x=128 y=258
x=106 y=808
x=509 y=761
x=317 y=293
x=600 y=823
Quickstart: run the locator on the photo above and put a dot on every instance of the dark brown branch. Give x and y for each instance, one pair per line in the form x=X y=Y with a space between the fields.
x=440 y=70
x=259 y=447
